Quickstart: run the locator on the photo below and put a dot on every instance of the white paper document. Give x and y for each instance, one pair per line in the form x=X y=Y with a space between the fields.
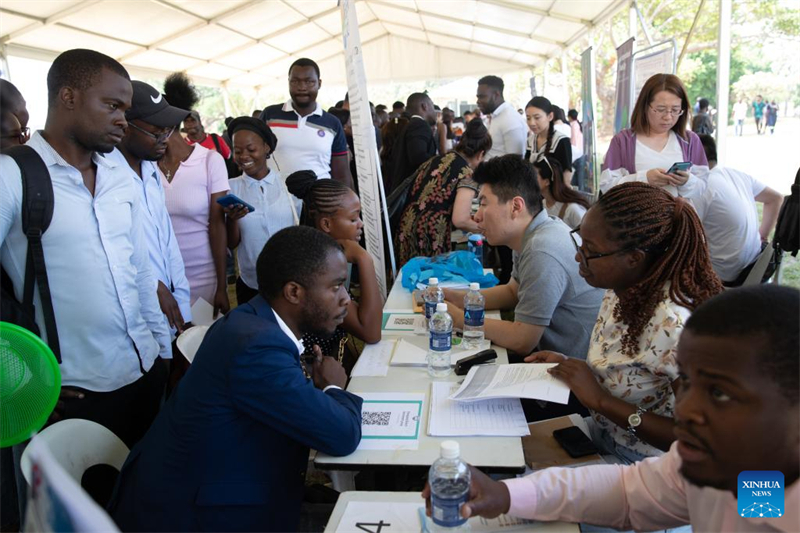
x=512 y=381
x=374 y=359
x=501 y=417
x=409 y=354
x=406 y=517
x=390 y=421
x=203 y=313
x=408 y=323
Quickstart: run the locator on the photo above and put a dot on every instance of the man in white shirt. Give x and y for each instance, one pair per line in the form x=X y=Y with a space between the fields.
x=728 y=212
x=508 y=129
x=151 y=120
x=111 y=329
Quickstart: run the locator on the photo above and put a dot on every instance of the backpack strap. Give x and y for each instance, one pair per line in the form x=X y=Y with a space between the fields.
x=37 y=213
x=216 y=143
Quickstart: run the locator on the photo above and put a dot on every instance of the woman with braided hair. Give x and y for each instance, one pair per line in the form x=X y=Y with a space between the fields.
x=546 y=139
x=648 y=249
x=333 y=208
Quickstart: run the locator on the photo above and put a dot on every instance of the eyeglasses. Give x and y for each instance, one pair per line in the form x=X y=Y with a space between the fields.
x=664 y=111
x=578 y=242
x=23 y=136
x=159 y=137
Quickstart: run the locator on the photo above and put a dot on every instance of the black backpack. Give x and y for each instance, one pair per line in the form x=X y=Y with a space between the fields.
x=230 y=165
x=37 y=212
x=787 y=229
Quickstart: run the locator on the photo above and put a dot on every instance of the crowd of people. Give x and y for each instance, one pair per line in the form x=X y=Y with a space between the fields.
x=625 y=294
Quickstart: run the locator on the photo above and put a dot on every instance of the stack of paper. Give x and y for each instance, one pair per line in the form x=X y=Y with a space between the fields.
x=512 y=381
x=374 y=360
x=408 y=354
x=498 y=418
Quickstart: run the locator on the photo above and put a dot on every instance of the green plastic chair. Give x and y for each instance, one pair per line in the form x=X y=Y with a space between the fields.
x=30 y=383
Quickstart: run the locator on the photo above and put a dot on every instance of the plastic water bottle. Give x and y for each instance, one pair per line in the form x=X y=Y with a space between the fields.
x=474 y=304
x=432 y=296
x=475 y=245
x=449 y=478
x=441 y=338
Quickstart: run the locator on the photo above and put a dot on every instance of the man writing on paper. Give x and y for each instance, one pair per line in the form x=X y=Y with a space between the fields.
x=229 y=450
x=553 y=306
x=737 y=411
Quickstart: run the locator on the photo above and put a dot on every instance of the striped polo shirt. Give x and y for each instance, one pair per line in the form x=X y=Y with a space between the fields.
x=304 y=143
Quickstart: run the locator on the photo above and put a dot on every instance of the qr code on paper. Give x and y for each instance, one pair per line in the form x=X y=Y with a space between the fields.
x=404 y=321
x=375 y=418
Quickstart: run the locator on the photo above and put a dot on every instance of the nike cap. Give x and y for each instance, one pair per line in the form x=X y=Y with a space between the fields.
x=150 y=106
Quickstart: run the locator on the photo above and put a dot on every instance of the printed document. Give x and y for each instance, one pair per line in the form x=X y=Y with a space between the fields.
x=512 y=381
x=501 y=417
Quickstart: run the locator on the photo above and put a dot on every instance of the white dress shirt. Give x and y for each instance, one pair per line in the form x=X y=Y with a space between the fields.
x=273 y=212
x=508 y=130
x=162 y=246
x=110 y=325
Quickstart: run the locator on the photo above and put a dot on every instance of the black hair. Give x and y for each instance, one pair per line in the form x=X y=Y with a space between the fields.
x=78 y=68
x=380 y=107
x=398 y=104
x=549 y=168
x=415 y=100
x=510 y=175
x=767 y=313
x=296 y=253
x=540 y=102
x=342 y=114
x=573 y=114
x=180 y=92
x=10 y=97
x=305 y=62
x=495 y=82
x=558 y=114
x=436 y=107
x=710 y=146
x=320 y=197
x=338 y=105
x=475 y=139
x=703 y=104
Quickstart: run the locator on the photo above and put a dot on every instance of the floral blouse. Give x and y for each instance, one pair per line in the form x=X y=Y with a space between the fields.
x=644 y=380
x=426 y=221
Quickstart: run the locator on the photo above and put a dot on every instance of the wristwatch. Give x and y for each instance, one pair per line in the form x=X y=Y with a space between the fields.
x=635 y=420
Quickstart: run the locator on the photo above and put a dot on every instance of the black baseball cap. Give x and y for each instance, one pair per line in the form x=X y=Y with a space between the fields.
x=150 y=106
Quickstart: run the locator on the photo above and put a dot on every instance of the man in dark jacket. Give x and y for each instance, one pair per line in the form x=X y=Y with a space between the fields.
x=415 y=144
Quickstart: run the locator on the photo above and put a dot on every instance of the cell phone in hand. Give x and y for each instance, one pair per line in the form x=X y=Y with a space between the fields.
x=574 y=441
x=231 y=200
x=680 y=165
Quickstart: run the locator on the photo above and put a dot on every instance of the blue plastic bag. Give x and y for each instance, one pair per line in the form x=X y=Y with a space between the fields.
x=456 y=267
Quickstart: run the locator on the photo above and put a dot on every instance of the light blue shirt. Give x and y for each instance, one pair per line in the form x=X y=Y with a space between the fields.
x=165 y=255
x=273 y=212
x=110 y=325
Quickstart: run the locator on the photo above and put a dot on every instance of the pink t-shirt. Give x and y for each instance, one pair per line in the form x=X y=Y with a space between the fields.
x=188 y=199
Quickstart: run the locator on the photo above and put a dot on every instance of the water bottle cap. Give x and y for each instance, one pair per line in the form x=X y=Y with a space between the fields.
x=476 y=237
x=441 y=307
x=474 y=286
x=449 y=449
x=433 y=281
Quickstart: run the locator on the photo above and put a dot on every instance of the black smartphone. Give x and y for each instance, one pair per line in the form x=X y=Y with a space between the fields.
x=574 y=441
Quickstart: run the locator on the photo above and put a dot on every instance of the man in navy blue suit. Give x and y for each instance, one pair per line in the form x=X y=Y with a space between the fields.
x=229 y=450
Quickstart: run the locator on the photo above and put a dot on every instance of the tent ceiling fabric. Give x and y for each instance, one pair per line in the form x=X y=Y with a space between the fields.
x=251 y=43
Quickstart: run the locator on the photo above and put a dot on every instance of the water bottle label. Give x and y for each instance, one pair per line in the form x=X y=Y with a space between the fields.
x=440 y=342
x=430 y=309
x=446 y=512
x=473 y=317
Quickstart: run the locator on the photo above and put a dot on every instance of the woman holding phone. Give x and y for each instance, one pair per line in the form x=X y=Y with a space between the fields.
x=261 y=188
x=657 y=139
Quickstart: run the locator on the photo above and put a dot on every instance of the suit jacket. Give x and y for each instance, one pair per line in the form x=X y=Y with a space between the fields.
x=413 y=146
x=228 y=452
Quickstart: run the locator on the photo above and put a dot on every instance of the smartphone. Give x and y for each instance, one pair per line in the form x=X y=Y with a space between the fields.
x=574 y=441
x=681 y=165
x=230 y=200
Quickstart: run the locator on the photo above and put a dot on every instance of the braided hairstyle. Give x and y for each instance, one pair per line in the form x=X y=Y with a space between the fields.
x=641 y=216
x=540 y=102
x=320 y=197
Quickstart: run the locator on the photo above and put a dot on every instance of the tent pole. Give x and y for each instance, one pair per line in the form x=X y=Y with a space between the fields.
x=632 y=20
x=723 y=77
x=690 y=34
x=5 y=71
x=644 y=24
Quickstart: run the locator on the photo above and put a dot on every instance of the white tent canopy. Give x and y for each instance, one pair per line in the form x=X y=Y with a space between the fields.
x=251 y=43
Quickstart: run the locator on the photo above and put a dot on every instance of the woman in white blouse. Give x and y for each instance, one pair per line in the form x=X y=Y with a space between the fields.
x=262 y=188
x=647 y=248
x=559 y=199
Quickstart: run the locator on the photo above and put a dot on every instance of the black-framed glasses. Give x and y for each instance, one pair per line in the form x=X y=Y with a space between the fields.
x=578 y=242
x=23 y=136
x=159 y=137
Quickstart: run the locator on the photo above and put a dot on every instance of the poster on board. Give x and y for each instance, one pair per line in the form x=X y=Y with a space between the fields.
x=588 y=91
x=656 y=59
x=370 y=182
x=624 y=107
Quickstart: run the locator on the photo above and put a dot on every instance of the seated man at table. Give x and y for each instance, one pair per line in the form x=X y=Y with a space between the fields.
x=229 y=450
x=738 y=409
x=554 y=308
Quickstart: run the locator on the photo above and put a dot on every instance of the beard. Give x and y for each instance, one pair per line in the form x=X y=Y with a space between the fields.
x=313 y=320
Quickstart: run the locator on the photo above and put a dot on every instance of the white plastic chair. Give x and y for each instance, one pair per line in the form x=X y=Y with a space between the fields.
x=190 y=340
x=78 y=445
